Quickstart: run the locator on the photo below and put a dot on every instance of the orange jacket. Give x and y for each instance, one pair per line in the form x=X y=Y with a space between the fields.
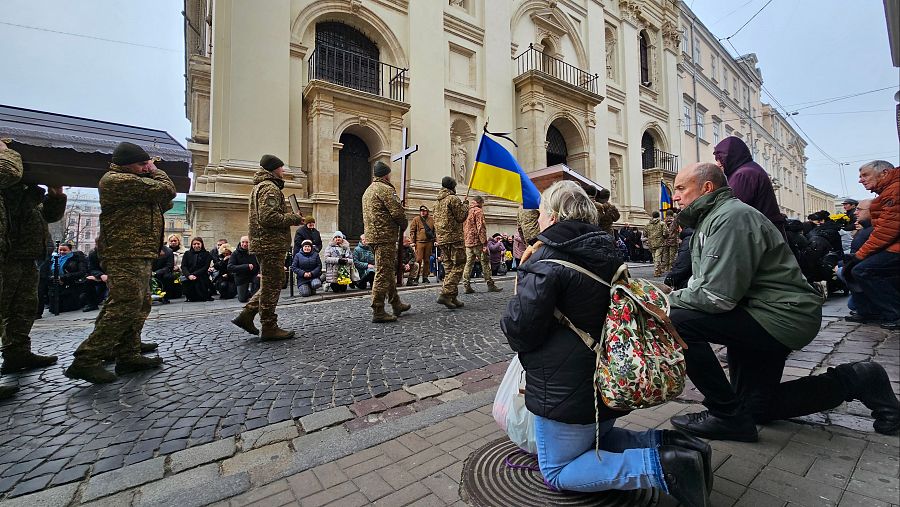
x=885 y=211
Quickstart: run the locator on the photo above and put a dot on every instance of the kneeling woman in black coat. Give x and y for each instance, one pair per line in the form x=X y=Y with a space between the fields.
x=195 y=265
x=559 y=367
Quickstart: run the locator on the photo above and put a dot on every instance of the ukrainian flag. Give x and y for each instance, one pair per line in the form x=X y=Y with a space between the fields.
x=665 y=198
x=496 y=172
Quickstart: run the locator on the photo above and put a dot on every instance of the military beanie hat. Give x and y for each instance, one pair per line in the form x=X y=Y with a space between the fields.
x=129 y=153
x=448 y=183
x=270 y=162
x=381 y=169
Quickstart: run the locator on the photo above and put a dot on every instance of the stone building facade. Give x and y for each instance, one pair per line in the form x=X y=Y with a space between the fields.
x=328 y=86
x=818 y=199
x=720 y=97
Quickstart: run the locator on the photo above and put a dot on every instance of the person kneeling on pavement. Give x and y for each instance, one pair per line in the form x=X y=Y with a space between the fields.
x=747 y=293
x=559 y=368
x=410 y=266
x=364 y=260
x=338 y=260
x=307 y=266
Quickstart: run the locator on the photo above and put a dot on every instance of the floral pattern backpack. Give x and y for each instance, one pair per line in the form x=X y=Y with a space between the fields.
x=640 y=362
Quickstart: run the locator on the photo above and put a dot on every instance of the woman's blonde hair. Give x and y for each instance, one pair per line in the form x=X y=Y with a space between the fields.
x=568 y=201
x=174 y=236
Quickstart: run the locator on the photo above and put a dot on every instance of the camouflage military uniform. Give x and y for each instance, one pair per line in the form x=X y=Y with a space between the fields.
x=656 y=232
x=449 y=214
x=527 y=222
x=383 y=219
x=10 y=174
x=475 y=237
x=607 y=214
x=270 y=238
x=670 y=243
x=131 y=232
x=28 y=211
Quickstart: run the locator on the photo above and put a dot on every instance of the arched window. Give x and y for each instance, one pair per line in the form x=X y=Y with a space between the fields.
x=345 y=56
x=557 y=152
x=548 y=62
x=648 y=151
x=645 y=58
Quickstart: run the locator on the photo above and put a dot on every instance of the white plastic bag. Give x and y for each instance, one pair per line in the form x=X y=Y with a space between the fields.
x=509 y=408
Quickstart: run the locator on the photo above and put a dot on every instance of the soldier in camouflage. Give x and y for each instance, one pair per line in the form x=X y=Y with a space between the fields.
x=656 y=234
x=270 y=238
x=28 y=212
x=383 y=219
x=134 y=194
x=670 y=243
x=607 y=213
x=10 y=174
x=449 y=215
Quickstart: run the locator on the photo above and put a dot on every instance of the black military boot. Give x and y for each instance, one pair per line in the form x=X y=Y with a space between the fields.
x=705 y=425
x=7 y=392
x=244 y=320
x=148 y=347
x=136 y=363
x=446 y=301
x=679 y=439
x=869 y=383
x=23 y=361
x=95 y=374
x=683 y=473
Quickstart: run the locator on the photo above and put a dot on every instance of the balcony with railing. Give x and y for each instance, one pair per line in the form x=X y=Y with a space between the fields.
x=535 y=62
x=358 y=72
x=657 y=159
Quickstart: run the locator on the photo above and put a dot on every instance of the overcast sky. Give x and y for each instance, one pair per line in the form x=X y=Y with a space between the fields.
x=126 y=65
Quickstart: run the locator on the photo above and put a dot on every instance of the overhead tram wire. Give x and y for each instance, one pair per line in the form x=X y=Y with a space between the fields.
x=822 y=102
x=747 y=22
x=40 y=29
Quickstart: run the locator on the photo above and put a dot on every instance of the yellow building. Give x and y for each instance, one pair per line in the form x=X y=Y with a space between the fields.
x=817 y=199
x=721 y=97
x=328 y=86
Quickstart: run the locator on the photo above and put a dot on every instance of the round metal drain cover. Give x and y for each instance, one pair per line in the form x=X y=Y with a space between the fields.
x=487 y=481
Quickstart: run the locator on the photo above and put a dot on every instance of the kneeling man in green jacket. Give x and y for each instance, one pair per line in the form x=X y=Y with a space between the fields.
x=747 y=293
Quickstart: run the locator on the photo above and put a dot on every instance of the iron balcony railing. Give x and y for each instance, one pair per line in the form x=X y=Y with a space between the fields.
x=534 y=59
x=658 y=159
x=353 y=70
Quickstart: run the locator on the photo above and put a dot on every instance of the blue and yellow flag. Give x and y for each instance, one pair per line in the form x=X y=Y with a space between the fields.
x=665 y=198
x=496 y=172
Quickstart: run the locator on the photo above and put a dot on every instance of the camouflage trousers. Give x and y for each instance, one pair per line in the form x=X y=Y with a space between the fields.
x=18 y=301
x=117 y=330
x=453 y=256
x=473 y=254
x=662 y=262
x=670 y=258
x=413 y=274
x=385 y=284
x=265 y=300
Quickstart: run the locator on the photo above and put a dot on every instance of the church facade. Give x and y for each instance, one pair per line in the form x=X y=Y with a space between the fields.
x=329 y=86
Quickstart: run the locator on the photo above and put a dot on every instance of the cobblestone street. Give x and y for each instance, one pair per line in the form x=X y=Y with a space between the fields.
x=227 y=415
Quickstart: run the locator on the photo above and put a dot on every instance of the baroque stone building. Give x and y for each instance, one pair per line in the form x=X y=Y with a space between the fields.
x=818 y=199
x=720 y=97
x=328 y=86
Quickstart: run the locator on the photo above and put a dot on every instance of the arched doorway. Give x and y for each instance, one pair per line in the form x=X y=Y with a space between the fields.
x=347 y=57
x=648 y=151
x=557 y=151
x=354 y=176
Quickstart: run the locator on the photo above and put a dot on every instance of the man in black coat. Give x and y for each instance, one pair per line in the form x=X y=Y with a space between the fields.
x=309 y=232
x=244 y=268
x=163 y=268
x=681 y=269
x=95 y=282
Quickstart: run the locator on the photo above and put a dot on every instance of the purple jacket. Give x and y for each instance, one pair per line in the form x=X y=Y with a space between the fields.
x=496 y=251
x=748 y=180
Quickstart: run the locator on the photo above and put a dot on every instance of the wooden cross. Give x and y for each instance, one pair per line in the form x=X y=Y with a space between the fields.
x=402 y=157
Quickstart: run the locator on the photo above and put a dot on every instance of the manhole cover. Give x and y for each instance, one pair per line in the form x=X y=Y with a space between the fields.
x=487 y=482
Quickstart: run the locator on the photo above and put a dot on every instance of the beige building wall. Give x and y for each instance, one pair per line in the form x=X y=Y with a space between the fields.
x=818 y=199
x=720 y=97
x=257 y=82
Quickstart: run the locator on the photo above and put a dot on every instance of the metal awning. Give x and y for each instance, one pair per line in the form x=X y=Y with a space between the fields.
x=543 y=178
x=64 y=150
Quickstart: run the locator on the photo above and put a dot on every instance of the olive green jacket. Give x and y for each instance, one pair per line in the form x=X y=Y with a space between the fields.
x=383 y=215
x=449 y=214
x=740 y=260
x=10 y=174
x=269 y=221
x=29 y=212
x=131 y=214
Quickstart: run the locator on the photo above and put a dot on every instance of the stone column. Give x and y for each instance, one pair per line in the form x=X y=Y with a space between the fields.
x=632 y=176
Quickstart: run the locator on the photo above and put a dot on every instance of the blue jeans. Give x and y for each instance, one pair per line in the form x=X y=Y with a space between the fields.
x=875 y=286
x=568 y=460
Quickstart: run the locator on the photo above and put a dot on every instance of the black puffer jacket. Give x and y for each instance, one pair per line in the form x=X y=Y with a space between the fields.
x=559 y=367
x=681 y=269
x=239 y=266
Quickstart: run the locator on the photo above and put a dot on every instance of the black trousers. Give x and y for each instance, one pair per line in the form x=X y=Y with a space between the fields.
x=756 y=363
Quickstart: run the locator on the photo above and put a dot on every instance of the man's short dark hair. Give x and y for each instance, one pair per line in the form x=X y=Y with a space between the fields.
x=603 y=195
x=655 y=214
x=711 y=173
